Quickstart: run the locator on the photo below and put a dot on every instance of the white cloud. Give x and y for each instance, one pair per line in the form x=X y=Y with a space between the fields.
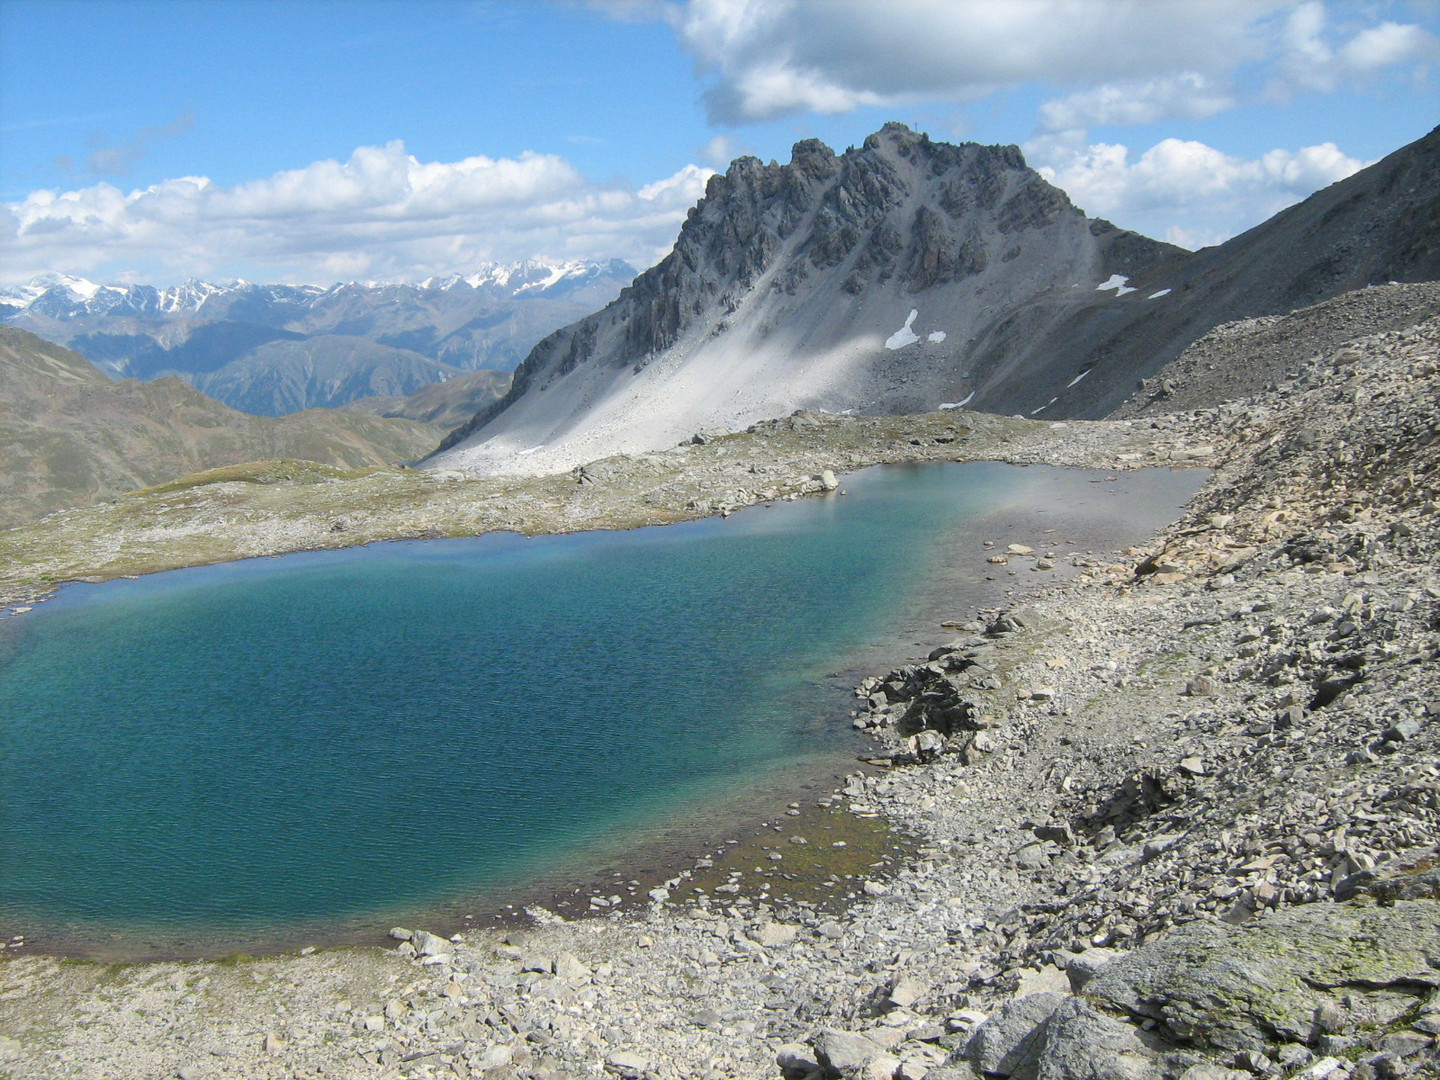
x=773 y=58
x=1185 y=191
x=382 y=213
x=1386 y=45
x=1315 y=55
x=1306 y=57
x=1125 y=61
x=1190 y=95
x=688 y=184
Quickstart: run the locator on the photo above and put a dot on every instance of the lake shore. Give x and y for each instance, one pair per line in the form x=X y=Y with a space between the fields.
x=1224 y=736
x=988 y=507
x=274 y=508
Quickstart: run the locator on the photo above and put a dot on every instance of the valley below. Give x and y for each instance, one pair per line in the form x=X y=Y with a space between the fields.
x=1166 y=811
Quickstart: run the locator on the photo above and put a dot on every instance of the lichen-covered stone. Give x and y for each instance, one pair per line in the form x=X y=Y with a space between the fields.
x=1080 y=1043
x=1242 y=988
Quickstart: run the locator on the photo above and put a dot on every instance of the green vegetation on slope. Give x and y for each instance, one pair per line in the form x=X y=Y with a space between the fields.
x=447 y=404
x=69 y=436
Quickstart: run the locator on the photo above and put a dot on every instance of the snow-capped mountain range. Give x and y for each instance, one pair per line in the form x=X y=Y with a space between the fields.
x=66 y=296
x=274 y=349
x=532 y=277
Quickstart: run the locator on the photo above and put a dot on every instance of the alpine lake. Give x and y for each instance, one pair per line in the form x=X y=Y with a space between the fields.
x=313 y=747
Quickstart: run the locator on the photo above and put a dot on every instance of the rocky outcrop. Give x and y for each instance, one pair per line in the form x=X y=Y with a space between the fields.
x=891 y=278
x=1248 y=357
x=1283 y=996
x=1299 y=977
x=909 y=275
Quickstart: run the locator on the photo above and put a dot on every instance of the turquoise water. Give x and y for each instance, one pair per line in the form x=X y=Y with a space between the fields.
x=343 y=735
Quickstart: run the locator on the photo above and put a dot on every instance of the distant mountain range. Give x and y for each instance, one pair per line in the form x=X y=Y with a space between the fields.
x=909 y=275
x=276 y=349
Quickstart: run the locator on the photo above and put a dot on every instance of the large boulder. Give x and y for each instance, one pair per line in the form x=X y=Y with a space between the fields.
x=1325 y=975
x=1051 y=1036
x=1247 y=987
x=853 y=1056
x=1080 y=1043
x=1008 y=1040
x=1083 y=966
x=428 y=944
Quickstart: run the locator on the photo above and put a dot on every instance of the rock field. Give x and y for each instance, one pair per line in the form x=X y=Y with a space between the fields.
x=1176 y=816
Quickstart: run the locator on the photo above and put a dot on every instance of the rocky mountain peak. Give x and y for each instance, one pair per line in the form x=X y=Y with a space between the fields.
x=813 y=160
x=908 y=275
x=899 y=207
x=831 y=255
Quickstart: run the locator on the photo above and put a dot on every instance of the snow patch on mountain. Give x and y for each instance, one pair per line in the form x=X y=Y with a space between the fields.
x=905 y=335
x=77 y=287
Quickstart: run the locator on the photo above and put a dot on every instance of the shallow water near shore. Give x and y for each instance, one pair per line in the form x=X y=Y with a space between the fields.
x=313 y=746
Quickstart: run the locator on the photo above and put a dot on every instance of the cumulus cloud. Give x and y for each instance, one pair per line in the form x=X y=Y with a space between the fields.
x=1124 y=61
x=1190 y=95
x=1317 y=55
x=380 y=214
x=1386 y=45
x=1185 y=191
x=772 y=58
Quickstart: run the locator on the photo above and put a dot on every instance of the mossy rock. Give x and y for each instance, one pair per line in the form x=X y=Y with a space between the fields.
x=1239 y=988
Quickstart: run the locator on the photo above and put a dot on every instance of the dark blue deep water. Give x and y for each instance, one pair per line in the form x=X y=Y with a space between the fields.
x=348 y=735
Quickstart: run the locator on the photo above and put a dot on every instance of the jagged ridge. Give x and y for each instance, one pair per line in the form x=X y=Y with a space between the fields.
x=789 y=286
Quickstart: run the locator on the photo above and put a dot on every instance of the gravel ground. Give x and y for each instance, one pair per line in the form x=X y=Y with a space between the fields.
x=1229 y=731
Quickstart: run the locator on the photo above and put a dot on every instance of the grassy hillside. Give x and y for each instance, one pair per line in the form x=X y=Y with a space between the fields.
x=70 y=436
x=446 y=404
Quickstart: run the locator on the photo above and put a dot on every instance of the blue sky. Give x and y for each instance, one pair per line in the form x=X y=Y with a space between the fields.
x=318 y=141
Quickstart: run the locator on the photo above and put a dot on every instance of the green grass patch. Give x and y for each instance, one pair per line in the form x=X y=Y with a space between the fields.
x=282 y=470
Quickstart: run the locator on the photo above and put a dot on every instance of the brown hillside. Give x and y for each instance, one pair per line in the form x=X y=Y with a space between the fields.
x=70 y=436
